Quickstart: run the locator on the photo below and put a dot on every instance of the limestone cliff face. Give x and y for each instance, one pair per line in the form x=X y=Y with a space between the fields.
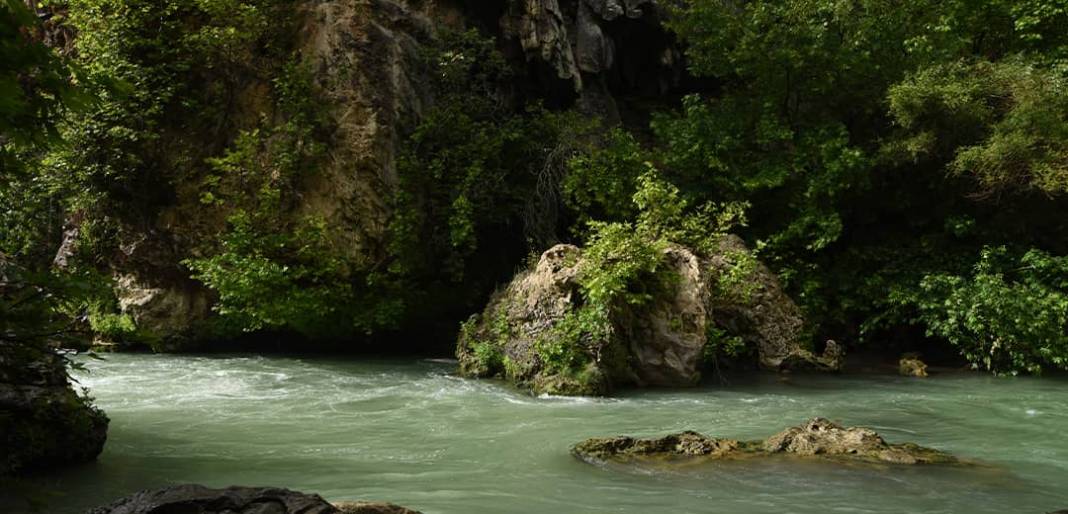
x=366 y=64
x=366 y=60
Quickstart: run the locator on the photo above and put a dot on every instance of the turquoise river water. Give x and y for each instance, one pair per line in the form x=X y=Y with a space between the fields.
x=411 y=432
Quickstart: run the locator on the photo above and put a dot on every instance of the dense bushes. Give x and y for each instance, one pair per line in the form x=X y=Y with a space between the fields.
x=882 y=146
x=1007 y=315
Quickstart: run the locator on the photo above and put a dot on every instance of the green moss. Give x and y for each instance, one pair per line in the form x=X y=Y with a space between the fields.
x=574 y=341
x=480 y=348
x=588 y=381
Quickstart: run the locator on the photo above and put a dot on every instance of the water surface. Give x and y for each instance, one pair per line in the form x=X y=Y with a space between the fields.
x=412 y=433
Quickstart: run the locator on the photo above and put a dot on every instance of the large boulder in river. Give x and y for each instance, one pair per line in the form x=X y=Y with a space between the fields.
x=536 y=333
x=197 y=499
x=43 y=421
x=816 y=438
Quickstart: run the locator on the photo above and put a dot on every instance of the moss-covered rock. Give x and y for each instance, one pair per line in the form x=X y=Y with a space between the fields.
x=910 y=365
x=43 y=421
x=541 y=332
x=817 y=438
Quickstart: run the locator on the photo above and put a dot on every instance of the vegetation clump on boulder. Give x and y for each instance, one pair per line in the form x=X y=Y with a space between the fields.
x=645 y=303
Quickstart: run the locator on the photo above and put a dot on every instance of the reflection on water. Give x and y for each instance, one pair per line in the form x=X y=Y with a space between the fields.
x=411 y=433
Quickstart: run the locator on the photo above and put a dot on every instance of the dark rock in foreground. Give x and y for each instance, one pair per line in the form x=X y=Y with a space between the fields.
x=197 y=499
x=43 y=421
x=816 y=438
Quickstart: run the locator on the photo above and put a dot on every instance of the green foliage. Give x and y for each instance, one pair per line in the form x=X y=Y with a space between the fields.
x=622 y=259
x=35 y=85
x=274 y=270
x=619 y=264
x=487 y=345
x=37 y=304
x=280 y=280
x=574 y=341
x=165 y=140
x=877 y=143
x=721 y=346
x=1005 y=124
x=1009 y=315
x=168 y=70
x=477 y=176
x=111 y=325
x=600 y=183
x=36 y=88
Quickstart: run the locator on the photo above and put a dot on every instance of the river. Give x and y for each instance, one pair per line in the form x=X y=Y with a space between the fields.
x=410 y=432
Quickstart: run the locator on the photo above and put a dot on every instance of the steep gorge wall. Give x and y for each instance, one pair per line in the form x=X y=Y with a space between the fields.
x=364 y=57
x=368 y=62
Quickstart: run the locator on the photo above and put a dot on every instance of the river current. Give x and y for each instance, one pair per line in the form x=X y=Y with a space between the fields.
x=413 y=433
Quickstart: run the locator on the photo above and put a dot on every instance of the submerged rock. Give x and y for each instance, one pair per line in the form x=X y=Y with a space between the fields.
x=683 y=444
x=371 y=508
x=910 y=365
x=537 y=322
x=43 y=421
x=816 y=438
x=197 y=499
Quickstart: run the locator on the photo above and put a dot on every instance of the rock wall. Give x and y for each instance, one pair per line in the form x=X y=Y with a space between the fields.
x=367 y=65
x=366 y=61
x=596 y=46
